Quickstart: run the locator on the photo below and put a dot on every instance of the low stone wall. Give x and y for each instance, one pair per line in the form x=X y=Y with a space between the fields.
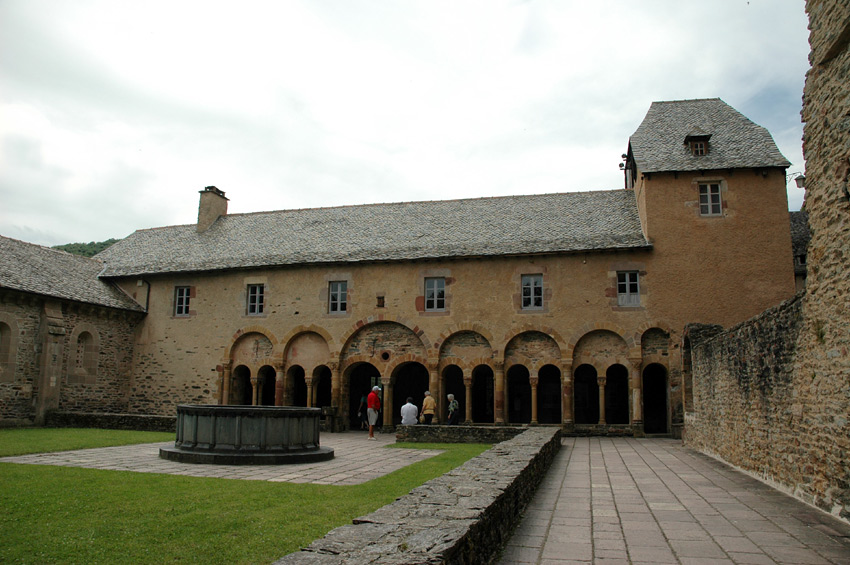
x=462 y=517
x=457 y=434
x=111 y=421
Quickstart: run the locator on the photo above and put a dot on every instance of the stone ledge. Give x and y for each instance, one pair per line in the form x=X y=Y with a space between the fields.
x=464 y=516
x=456 y=434
x=111 y=421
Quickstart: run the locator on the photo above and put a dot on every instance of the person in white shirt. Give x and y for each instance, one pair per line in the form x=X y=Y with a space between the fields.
x=409 y=413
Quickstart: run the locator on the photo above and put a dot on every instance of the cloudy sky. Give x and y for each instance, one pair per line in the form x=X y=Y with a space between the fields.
x=114 y=113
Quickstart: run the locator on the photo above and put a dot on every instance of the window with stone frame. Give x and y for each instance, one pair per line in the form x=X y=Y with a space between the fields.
x=256 y=299
x=85 y=359
x=532 y=292
x=182 y=297
x=628 y=288
x=435 y=294
x=337 y=297
x=710 y=203
x=7 y=361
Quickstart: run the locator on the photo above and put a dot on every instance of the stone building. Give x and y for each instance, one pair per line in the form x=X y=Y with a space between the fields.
x=553 y=309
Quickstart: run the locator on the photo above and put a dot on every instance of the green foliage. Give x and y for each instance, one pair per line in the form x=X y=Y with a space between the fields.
x=89 y=249
x=70 y=515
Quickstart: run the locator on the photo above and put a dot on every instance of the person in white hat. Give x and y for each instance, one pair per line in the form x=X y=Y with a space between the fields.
x=373 y=403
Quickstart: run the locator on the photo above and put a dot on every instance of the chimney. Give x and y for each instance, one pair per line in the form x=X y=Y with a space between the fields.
x=213 y=204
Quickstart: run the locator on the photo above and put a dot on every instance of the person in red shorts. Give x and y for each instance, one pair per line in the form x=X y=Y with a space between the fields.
x=373 y=403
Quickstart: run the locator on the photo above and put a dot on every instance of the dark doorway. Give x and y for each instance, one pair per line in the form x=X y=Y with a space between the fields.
x=617 y=395
x=655 y=399
x=586 y=391
x=322 y=386
x=482 y=394
x=241 y=390
x=549 y=395
x=409 y=380
x=519 y=395
x=453 y=384
x=266 y=376
x=297 y=385
x=361 y=378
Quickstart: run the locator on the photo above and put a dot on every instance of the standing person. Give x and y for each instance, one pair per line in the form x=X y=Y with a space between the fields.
x=429 y=408
x=361 y=413
x=373 y=401
x=409 y=413
x=454 y=408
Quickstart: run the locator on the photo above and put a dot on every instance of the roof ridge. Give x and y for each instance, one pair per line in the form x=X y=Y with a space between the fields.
x=51 y=249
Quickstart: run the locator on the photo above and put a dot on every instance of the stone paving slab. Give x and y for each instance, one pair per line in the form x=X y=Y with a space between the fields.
x=356 y=460
x=626 y=500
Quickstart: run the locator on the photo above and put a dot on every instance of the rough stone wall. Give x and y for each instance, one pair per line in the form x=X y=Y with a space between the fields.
x=21 y=373
x=781 y=409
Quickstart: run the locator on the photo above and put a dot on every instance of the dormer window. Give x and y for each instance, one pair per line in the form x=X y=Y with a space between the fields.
x=697 y=142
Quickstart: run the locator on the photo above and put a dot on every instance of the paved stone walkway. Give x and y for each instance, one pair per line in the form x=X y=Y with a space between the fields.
x=356 y=460
x=653 y=501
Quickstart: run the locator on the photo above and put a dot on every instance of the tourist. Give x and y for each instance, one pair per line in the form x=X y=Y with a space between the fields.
x=454 y=412
x=361 y=413
x=409 y=413
x=373 y=402
x=429 y=408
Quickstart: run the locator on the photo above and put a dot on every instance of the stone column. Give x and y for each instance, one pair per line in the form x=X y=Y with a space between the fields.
x=226 y=377
x=435 y=388
x=52 y=340
x=467 y=385
x=278 y=386
x=387 y=402
x=499 y=393
x=309 y=383
x=601 y=381
x=636 y=389
x=255 y=392
x=533 y=380
x=567 y=400
x=287 y=389
x=336 y=387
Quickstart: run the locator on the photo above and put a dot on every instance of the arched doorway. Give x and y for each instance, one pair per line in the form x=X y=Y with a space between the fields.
x=453 y=384
x=519 y=395
x=361 y=378
x=241 y=391
x=483 y=391
x=655 y=399
x=549 y=395
x=617 y=395
x=266 y=378
x=409 y=380
x=586 y=393
x=297 y=385
x=321 y=386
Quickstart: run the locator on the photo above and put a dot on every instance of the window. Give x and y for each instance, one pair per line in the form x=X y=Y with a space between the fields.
x=256 y=302
x=698 y=148
x=532 y=292
x=628 y=290
x=709 y=200
x=337 y=296
x=801 y=260
x=181 y=300
x=435 y=294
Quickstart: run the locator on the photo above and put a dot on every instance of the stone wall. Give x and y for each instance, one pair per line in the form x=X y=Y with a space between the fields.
x=456 y=434
x=464 y=516
x=57 y=419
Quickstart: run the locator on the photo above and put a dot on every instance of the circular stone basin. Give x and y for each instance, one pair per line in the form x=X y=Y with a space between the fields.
x=247 y=435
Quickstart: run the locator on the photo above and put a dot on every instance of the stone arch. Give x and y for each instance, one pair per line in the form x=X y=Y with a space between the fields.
x=601 y=348
x=617 y=394
x=656 y=402
x=518 y=394
x=465 y=345
x=322 y=386
x=266 y=384
x=549 y=409
x=308 y=349
x=585 y=394
x=359 y=325
x=483 y=393
x=382 y=343
x=550 y=332
x=452 y=382
x=408 y=379
x=655 y=345
x=358 y=378
x=534 y=347
x=295 y=386
x=473 y=327
x=252 y=349
x=84 y=352
x=8 y=347
x=241 y=391
x=288 y=338
x=632 y=343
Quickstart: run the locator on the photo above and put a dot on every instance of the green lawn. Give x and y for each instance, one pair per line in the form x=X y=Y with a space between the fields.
x=70 y=515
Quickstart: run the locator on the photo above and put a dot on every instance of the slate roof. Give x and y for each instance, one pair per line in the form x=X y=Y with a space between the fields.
x=800 y=236
x=512 y=225
x=658 y=145
x=41 y=270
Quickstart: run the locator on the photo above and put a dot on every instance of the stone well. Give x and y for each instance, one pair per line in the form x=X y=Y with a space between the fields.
x=247 y=435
